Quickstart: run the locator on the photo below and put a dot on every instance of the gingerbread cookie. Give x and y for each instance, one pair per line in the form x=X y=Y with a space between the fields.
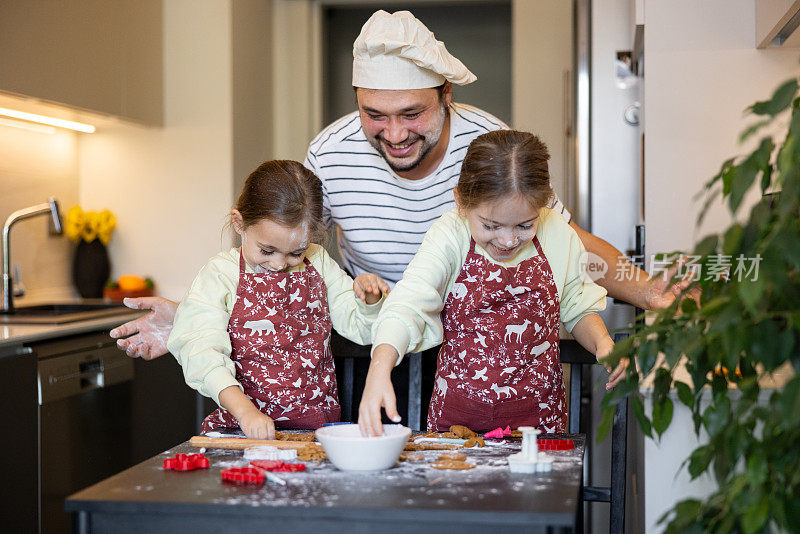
x=295 y=436
x=428 y=446
x=452 y=464
x=411 y=457
x=311 y=454
x=475 y=440
x=462 y=432
x=452 y=456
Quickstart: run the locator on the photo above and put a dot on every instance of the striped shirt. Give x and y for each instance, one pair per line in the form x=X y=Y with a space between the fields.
x=383 y=217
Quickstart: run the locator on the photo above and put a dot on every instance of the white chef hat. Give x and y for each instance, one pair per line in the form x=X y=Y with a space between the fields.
x=397 y=51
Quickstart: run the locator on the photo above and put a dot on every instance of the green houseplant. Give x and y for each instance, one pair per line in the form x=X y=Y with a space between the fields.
x=740 y=330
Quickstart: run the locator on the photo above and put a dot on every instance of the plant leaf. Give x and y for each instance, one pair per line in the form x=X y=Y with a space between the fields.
x=752 y=129
x=793 y=510
x=789 y=400
x=707 y=245
x=605 y=423
x=781 y=99
x=699 y=460
x=743 y=177
x=755 y=516
x=662 y=415
x=733 y=237
x=685 y=394
x=766 y=344
x=638 y=411
x=757 y=469
x=717 y=416
x=750 y=291
x=766 y=178
x=647 y=356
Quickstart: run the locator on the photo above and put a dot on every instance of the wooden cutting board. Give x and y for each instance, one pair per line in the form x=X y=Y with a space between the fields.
x=243 y=443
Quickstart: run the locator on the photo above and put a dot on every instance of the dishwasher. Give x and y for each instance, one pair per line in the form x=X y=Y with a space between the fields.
x=85 y=419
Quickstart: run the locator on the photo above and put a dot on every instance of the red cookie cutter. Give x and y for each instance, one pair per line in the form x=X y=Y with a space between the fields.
x=278 y=465
x=243 y=476
x=186 y=462
x=550 y=444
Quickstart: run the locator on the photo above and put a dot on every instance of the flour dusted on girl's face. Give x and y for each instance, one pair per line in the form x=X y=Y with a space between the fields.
x=503 y=227
x=253 y=332
x=269 y=246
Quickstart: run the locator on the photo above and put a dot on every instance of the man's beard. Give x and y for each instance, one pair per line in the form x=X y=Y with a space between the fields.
x=429 y=140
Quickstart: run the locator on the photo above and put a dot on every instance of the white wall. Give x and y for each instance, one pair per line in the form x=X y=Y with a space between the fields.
x=665 y=483
x=171 y=187
x=541 y=57
x=701 y=71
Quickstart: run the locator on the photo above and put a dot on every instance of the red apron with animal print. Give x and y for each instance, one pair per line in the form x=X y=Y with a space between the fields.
x=499 y=364
x=280 y=331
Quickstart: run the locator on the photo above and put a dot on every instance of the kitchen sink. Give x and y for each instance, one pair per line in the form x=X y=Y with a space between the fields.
x=67 y=312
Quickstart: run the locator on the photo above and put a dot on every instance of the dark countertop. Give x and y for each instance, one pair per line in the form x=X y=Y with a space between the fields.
x=20 y=334
x=409 y=497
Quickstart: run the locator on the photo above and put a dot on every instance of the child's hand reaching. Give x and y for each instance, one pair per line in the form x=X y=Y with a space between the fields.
x=257 y=425
x=254 y=423
x=592 y=334
x=378 y=392
x=604 y=348
x=369 y=287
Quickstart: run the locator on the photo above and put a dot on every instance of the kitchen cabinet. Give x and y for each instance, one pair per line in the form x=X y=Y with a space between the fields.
x=18 y=493
x=99 y=55
x=776 y=23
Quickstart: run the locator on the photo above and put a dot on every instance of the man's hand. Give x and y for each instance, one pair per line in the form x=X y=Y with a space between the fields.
x=369 y=287
x=661 y=292
x=146 y=337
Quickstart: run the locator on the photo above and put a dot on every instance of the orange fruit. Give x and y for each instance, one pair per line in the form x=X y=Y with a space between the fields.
x=131 y=282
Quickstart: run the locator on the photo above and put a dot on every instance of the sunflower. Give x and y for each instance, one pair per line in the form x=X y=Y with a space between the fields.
x=89 y=225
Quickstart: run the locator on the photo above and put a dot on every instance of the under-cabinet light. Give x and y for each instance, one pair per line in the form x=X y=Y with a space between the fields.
x=33 y=127
x=50 y=121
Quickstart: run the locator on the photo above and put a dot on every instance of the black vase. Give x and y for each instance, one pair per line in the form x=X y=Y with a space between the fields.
x=90 y=268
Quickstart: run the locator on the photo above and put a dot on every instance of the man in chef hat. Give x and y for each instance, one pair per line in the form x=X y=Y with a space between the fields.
x=388 y=171
x=389 y=168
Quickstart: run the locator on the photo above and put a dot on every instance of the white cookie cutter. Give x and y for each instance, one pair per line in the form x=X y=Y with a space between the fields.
x=529 y=459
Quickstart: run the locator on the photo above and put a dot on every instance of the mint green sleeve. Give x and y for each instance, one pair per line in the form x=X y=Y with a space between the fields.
x=351 y=316
x=199 y=339
x=410 y=319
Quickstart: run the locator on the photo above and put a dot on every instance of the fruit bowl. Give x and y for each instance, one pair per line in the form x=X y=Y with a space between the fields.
x=128 y=286
x=116 y=294
x=348 y=450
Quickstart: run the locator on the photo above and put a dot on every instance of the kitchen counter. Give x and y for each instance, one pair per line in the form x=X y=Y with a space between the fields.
x=18 y=334
x=411 y=497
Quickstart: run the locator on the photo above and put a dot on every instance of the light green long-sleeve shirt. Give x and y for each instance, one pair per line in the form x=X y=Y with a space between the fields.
x=199 y=339
x=410 y=319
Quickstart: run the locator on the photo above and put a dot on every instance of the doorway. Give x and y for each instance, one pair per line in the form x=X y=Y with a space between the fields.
x=454 y=23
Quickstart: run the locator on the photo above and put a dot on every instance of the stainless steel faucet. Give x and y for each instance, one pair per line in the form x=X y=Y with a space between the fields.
x=50 y=207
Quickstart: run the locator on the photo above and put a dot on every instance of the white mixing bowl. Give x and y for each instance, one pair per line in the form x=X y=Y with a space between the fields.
x=350 y=451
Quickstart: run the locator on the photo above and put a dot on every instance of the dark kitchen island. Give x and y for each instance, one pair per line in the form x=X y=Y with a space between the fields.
x=411 y=497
